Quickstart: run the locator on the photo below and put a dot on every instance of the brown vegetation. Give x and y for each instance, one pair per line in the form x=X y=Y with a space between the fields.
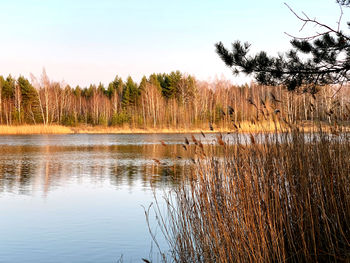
x=60 y=129
x=244 y=127
x=285 y=199
x=34 y=129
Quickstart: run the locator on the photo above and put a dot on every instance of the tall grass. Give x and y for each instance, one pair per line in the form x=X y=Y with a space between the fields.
x=286 y=199
x=34 y=129
x=59 y=129
x=244 y=127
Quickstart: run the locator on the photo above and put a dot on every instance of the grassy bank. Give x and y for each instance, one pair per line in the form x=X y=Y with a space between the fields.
x=34 y=129
x=285 y=200
x=242 y=127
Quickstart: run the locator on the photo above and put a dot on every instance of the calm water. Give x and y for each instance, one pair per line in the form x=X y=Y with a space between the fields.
x=79 y=198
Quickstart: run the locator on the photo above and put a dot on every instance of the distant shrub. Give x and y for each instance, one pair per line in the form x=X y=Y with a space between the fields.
x=102 y=120
x=68 y=120
x=119 y=118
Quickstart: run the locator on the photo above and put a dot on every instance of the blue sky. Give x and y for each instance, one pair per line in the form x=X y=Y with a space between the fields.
x=84 y=42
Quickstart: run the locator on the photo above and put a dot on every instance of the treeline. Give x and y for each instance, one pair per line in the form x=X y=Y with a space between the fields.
x=173 y=100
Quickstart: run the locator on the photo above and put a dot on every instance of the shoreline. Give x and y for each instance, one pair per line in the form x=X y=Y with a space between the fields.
x=246 y=127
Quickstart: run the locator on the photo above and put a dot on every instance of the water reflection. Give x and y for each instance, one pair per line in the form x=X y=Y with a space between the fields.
x=82 y=195
x=46 y=162
x=24 y=169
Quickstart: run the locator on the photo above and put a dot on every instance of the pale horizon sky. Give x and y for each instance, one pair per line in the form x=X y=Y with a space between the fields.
x=82 y=42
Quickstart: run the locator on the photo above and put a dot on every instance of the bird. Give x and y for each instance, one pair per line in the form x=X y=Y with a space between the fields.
x=203 y=134
x=277 y=111
x=184 y=146
x=211 y=126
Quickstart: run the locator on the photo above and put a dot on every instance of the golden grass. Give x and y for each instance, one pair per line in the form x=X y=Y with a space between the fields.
x=59 y=129
x=34 y=129
x=244 y=127
x=286 y=199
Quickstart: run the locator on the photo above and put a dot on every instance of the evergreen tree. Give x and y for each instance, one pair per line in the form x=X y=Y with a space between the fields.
x=130 y=93
x=316 y=60
x=30 y=102
x=126 y=97
x=174 y=83
x=77 y=91
x=8 y=89
x=164 y=82
x=169 y=83
x=2 y=82
x=143 y=84
x=101 y=89
x=88 y=92
x=154 y=80
x=115 y=86
x=29 y=94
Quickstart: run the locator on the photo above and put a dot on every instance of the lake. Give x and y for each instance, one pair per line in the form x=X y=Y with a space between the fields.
x=80 y=197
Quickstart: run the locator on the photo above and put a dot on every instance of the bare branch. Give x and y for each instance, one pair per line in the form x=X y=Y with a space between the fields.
x=308 y=37
x=314 y=21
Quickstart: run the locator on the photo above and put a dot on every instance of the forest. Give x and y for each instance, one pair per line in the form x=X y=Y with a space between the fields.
x=165 y=100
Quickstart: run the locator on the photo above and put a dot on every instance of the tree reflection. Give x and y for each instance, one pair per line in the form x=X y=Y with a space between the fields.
x=26 y=169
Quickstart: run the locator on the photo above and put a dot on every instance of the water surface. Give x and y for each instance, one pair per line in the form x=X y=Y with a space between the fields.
x=79 y=198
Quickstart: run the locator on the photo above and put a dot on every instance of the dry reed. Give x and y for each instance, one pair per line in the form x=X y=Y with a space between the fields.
x=34 y=129
x=241 y=127
x=273 y=198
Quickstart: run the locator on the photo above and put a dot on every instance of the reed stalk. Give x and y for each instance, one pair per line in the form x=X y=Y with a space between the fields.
x=272 y=198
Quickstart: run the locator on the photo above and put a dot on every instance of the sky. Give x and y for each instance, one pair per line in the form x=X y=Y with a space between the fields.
x=84 y=41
